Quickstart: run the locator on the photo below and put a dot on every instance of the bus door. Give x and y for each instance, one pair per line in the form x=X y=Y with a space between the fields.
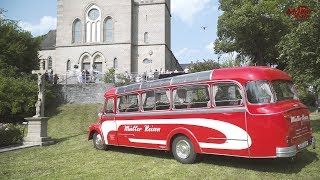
x=108 y=123
x=128 y=126
x=229 y=108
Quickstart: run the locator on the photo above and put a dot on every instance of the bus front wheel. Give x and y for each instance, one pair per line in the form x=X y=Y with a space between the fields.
x=97 y=142
x=183 y=150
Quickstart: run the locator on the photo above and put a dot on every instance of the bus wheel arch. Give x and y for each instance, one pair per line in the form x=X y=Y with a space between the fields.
x=183 y=132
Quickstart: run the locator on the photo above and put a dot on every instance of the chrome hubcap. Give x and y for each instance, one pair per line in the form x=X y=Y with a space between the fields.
x=183 y=149
x=98 y=140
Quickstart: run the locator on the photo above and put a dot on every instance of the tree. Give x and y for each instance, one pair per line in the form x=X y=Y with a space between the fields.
x=19 y=51
x=251 y=28
x=203 y=66
x=300 y=49
x=18 y=56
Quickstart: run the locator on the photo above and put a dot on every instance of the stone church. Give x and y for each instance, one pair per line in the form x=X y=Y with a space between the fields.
x=132 y=36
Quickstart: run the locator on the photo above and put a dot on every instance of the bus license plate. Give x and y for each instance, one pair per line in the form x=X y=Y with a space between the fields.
x=303 y=145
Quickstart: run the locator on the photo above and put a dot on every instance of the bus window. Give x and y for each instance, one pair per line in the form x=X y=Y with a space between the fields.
x=109 y=106
x=259 y=92
x=156 y=100
x=226 y=94
x=196 y=96
x=162 y=99
x=128 y=103
x=148 y=100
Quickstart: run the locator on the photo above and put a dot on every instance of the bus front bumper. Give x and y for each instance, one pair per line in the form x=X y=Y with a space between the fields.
x=293 y=150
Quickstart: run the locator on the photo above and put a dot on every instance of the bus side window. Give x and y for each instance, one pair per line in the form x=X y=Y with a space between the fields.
x=109 y=106
x=148 y=100
x=128 y=103
x=227 y=94
x=157 y=99
x=196 y=96
x=162 y=97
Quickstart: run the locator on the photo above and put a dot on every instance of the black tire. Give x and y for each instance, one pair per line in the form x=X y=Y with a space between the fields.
x=183 y=150
x=97 y=142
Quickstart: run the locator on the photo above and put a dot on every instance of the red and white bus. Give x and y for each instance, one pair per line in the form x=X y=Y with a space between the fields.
x=251 y=112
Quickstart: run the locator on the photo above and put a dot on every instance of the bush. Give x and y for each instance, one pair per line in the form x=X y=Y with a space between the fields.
x=10 y=134
x=18 y=96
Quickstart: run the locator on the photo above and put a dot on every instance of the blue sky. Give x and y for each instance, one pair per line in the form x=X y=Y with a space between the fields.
x=189 y=41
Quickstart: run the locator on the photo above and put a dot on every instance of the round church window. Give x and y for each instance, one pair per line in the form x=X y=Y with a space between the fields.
x=93 y=14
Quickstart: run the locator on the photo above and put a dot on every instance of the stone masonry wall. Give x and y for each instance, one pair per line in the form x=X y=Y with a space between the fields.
x=80 y=93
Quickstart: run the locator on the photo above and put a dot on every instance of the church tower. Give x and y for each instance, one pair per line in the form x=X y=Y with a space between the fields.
x=131 y=36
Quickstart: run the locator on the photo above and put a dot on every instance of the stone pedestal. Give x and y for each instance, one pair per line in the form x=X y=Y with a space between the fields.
x=37 y=132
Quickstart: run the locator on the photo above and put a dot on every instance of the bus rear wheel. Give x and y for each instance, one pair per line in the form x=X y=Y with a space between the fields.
x=97 y=142
x=183 y=150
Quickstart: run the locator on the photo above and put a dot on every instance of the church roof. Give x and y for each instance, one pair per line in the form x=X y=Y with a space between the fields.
x=49 y=41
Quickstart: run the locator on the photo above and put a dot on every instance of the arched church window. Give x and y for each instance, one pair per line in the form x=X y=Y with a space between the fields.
x=86 y=63
x=68 y=65
x=146 y=37
x=108 y=30
x=93 y=23
x=49 y=62
x=76 y=31
x=97 y=63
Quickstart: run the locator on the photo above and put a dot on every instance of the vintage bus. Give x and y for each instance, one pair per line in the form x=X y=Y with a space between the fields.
x=251 y=112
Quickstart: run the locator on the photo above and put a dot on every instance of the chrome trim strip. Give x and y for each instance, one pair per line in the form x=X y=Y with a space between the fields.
x=126 y=135
x=189 y=111
x=210 y=138
x=286 y=151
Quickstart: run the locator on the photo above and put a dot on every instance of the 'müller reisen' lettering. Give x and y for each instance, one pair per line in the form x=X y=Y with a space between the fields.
x=132 y=128
x=147 y=128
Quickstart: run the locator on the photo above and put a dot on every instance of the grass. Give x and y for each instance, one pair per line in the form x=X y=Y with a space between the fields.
x=73 y=157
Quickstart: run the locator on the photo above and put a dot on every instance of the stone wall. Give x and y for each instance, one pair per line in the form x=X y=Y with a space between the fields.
x=80 y=93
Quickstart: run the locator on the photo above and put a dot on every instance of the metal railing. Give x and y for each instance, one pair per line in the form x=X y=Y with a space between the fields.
x=98 y=77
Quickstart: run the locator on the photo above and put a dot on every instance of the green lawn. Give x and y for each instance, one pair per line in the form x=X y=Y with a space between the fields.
x=74 y=157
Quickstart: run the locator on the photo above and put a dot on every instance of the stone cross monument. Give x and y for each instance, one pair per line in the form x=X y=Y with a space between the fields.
x=41 y=85
x=38 y=124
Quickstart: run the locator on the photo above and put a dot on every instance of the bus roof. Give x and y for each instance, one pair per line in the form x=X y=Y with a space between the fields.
x=240 y=74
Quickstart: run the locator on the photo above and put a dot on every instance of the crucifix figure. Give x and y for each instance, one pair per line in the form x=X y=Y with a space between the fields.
x=41 y=84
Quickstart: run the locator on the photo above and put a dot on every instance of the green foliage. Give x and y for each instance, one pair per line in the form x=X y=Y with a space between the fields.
x=19 y=51
x=18 y=96
x=251 y=28
x=109 y=76
x=231 y=63
x=10 y=134
x=121 y=80
x=118 y=80
x=203 y=66
x=18 y=56
x=300 y=49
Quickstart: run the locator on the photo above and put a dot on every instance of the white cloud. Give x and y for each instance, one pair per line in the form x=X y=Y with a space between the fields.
x=46 y=23
x=187 y=9
x=185 y=55
x=210 y=47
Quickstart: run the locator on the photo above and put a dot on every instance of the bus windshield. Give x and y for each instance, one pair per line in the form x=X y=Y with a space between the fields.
x=265 y=92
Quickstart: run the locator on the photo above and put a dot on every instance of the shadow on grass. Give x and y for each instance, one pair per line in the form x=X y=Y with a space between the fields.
x=282 y=165
x=142 y=152
x=60 y=140
x=279 y=165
